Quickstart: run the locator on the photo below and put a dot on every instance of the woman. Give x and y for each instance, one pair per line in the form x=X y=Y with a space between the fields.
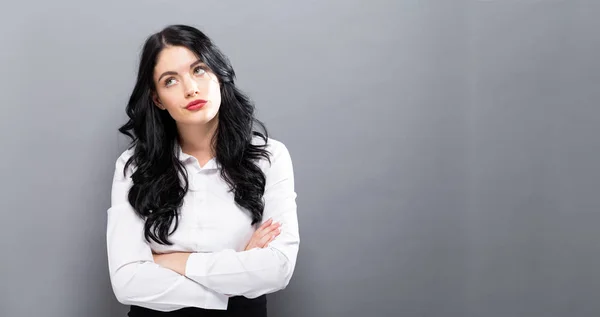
x=203 y=216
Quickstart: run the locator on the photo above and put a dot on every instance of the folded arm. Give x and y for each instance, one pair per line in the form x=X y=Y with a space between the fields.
x=261 y=270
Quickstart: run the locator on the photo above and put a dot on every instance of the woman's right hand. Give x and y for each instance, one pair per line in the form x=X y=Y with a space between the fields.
x=264 y=235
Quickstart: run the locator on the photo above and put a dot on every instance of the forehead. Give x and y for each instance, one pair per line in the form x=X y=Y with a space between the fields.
x=174 y=58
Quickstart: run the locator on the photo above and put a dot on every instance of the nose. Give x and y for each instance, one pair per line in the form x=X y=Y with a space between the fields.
x=191 y=88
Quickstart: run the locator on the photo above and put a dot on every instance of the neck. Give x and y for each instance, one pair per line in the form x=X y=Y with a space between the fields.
x=196 y=140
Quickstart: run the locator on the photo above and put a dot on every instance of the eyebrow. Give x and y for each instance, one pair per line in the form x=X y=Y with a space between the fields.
x=175 y=73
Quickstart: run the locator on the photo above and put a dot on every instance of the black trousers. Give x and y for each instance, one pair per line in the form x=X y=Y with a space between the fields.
x=238 y=306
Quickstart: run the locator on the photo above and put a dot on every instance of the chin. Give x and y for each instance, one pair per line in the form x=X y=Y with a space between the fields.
x=197 y=119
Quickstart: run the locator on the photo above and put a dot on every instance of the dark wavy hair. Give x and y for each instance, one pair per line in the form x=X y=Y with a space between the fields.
x=160 y=180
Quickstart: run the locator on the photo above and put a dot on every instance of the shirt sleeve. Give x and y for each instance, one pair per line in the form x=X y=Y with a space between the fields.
x=135 y=278
x=258 y=271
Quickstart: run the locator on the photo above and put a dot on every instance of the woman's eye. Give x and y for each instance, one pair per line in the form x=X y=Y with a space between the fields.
x=199 y=70
x=169 y=81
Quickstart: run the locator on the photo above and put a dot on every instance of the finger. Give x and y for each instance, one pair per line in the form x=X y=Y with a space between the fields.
x=272 y=238
x=252 y=244
x=266 y=224
x=264 y=241
x=268 y=230
x=255 y=240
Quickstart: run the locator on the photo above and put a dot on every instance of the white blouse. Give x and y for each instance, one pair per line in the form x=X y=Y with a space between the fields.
x=214 y=229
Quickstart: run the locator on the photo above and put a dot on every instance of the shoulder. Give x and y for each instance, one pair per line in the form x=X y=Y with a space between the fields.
x=127 y=154
x=276 y=148
x=122 y=161
x=279 y=156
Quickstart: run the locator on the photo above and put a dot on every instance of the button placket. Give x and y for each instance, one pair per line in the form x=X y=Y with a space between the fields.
x=200 y=197
x=201 y=205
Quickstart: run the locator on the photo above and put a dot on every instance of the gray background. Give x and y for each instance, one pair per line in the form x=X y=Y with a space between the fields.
x=446 y=152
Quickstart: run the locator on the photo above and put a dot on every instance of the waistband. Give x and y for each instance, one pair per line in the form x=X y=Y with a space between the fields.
x=237 y=306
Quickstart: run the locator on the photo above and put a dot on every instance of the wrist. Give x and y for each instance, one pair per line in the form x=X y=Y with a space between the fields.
x=181 y=262
x=176 y=261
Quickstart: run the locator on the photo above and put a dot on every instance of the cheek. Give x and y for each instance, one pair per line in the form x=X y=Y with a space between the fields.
x=215 y=94
x=168 y=99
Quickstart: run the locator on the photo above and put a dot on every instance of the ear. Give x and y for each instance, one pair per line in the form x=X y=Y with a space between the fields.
x=156 y=101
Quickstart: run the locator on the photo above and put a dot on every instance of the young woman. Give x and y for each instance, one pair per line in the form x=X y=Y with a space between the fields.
x=203 y=216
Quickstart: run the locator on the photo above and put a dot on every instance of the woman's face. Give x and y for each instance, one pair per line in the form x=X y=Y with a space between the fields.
x=185 y=87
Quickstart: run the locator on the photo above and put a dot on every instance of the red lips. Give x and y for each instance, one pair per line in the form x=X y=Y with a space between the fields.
x=196 y=104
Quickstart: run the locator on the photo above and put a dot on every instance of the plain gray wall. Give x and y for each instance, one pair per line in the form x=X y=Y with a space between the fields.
x=446 y=152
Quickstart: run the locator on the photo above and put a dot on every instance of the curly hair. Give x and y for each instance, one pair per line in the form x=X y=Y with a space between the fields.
x=160 y=180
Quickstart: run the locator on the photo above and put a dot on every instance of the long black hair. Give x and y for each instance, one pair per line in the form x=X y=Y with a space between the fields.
x=160 y=180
